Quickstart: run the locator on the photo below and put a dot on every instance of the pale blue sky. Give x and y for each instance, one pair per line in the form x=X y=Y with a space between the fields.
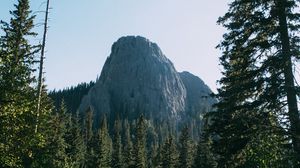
x=82 y=31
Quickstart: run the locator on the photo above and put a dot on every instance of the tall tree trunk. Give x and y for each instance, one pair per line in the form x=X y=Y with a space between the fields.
x=289 y=77
x=40 y=79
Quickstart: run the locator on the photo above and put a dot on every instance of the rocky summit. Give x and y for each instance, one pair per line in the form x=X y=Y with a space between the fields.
x=137 y=78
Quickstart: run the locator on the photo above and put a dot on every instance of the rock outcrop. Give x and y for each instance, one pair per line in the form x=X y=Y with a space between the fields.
x=137 y=78
x=198 y=99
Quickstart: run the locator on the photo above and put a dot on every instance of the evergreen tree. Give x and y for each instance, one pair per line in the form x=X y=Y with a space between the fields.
x=152 y=153
x=140 y=144
x=204 y=156
x=151 y=144
x=53 y=152
x=17 y=140
x=157 y=162
x=17 y=54
x=117 y=160
x=266 y=150
x=57 y=143
x=72 y=96
x=104 y=141
x=75 y=142
x=90 y=139
x=169 y=153
x=128 y=147
x=185 y=149
x=258 y=88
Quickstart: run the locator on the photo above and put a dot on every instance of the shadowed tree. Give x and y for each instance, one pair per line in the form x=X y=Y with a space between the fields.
x=169 y=153
x=140 y=144
x=128 y=147
x=105 y=145
x=185 y=149
x=117 y=160
x=258 y=83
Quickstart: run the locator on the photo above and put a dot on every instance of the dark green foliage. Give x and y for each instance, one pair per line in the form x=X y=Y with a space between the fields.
x=17 y=54
x=90 y=140
x=169 y=153
x=151 y=156
x=17 y=58
x=185 y=149
x=140 y=144
x=257 y=94
x=105 y=146
x=74 y=138
x=151 y=144
x=54 y=154
x=127 y=147
x=157 y=160
x=72 y=96
x=266 y=150
x=117 y=160
x=204 y=156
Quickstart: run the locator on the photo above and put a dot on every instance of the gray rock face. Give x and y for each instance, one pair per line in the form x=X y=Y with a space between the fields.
x=137 y=78
x=198 y=99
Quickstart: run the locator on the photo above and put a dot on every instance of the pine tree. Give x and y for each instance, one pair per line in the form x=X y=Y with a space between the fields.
x=128 y=147
x=104 y=141
x=152 y=153
x=204 y=156
x=58 y=157
x=169 y=153
x=75 y=142
x=117 y=160
x=17 y=53
x=185 y=149
x=258 y=83
x=17 y=95
x=72 y=96
x=53 y=152
x=266 y=150
x=157 y=162
x=41 y=140
x=151 y=144
x=91 y=141
x=140 y=144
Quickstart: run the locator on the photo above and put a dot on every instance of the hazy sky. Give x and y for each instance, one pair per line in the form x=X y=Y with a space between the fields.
x=82 y=31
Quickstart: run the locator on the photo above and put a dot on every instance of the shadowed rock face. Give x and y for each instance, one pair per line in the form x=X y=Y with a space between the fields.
x=137 y=79
x=198 y=99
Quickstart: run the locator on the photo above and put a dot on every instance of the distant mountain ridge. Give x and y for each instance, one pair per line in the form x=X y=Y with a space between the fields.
x=138 y=78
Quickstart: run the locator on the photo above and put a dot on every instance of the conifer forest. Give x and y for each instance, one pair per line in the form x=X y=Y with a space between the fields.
x=251 y=121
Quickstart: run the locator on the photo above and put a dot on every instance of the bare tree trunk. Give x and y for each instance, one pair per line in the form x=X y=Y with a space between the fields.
x=40 y=79
x=289 y=78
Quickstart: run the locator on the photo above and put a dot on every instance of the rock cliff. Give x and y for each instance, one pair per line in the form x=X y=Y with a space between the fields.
x=137 y=78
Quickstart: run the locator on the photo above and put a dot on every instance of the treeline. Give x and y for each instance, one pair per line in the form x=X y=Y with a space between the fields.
x=136 y=144
x=71 y=96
